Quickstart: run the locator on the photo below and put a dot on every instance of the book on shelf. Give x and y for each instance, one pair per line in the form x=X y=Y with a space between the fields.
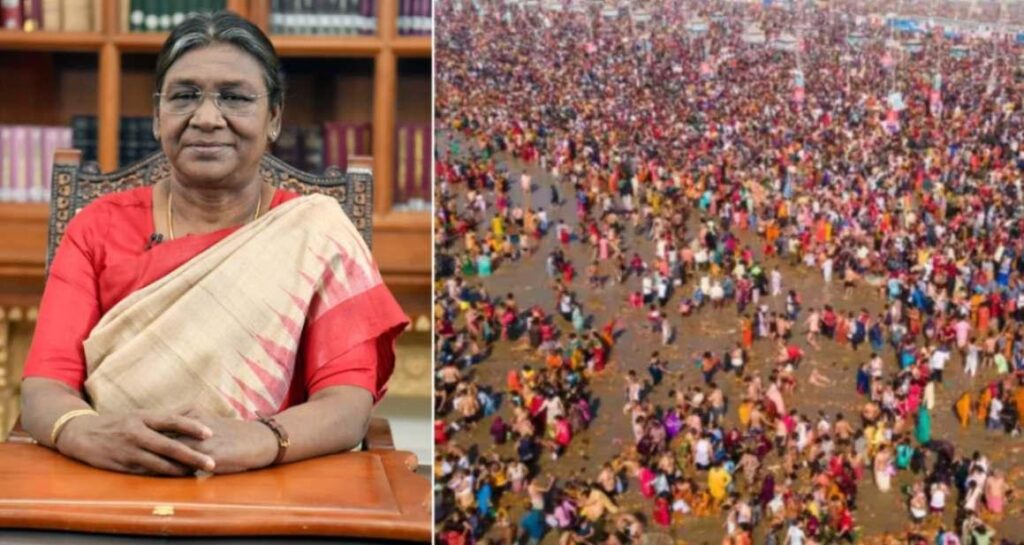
x=52 y=19
x=78 y=16
x=343 y=140
x=26 y=161
x=163 y=15
x=31 y=15
x=51 y=15
x=414 y=17
x=323 y=17
x=136 y=139
x=84 y=129
x=413 y=154
x=10 y=15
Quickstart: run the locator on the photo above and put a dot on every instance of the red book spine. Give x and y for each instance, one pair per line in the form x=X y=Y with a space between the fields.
x=20 y=161
x=10 y=14
x=35 y=182
x=51 y=142
x=403 y=156
x=334 y=148
x=363 y=146
x=425 y=156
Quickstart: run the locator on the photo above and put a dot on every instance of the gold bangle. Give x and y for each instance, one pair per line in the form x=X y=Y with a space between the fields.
x=58 y=426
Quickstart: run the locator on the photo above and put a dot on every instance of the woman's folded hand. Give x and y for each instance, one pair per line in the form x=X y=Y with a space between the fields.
x=235 y=445
x=141 y=442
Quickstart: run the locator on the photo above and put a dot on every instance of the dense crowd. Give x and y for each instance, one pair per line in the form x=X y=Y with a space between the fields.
x=702 y=172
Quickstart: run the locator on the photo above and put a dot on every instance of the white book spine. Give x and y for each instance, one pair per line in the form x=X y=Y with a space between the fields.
x=6 y=160
x=35 y=151
x=20 y=162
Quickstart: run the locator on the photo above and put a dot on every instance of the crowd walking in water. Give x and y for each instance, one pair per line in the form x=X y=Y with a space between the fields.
x=697 y=286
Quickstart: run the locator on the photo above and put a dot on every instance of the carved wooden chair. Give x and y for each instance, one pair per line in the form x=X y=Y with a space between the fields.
x=76 y=184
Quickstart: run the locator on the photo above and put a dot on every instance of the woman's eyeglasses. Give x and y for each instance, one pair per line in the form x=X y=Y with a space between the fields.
x=229 y=103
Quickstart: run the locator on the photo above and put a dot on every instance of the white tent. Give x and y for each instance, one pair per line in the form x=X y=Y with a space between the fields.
x=697 y=27
x=786 y=42
x=753 y=35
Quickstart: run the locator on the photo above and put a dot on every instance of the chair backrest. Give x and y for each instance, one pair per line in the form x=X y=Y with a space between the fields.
x=75 y=185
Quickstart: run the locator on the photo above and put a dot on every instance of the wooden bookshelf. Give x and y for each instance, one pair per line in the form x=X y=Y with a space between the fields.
x=49 y=77
x=401 y=239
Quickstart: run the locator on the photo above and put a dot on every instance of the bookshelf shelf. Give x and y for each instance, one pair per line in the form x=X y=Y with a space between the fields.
x=51 y=41
x=114 y=79
x=327 y=46
x=25 y=212
x=287 y=46
x=402 y=221
x=139 y=42
x=412 y=46
x=23 y=250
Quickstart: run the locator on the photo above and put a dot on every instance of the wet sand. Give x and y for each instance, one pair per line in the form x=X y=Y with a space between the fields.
x=877 y=514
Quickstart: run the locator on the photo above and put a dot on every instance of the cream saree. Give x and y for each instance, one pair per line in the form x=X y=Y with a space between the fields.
x=222 y=332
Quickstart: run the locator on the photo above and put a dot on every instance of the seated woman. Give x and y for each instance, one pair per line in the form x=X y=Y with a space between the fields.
x=210 y=322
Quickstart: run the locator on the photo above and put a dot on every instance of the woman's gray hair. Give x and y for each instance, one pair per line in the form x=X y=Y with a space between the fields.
x=205 y=29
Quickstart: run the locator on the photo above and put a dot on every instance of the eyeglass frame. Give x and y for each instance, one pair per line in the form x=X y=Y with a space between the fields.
x=216 y=96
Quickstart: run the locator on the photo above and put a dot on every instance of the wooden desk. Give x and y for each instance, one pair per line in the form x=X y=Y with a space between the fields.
x=372 y=494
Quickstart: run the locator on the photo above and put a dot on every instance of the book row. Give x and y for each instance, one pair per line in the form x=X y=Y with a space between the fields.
x=136 y=138
x=26 y=161
x=414 y=17
x=327 y=17
x=331 y=17
x=162 y=15
x=314 y=148
x=50 y=15
x=26 y=153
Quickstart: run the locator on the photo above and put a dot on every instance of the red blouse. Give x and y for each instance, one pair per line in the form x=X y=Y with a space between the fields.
x=105 y=255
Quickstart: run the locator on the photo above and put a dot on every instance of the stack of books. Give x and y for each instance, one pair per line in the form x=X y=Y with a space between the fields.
x=26 y=161
x=414 y=17
x=51 y=15
x=323 y=17
x=136 y=138
x=162 y=15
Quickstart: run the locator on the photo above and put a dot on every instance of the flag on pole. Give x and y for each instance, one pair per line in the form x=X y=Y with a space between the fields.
x=935 y=96
x=798 y=87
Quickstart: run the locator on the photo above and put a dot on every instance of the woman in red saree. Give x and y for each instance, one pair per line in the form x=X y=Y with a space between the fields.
x=210 y=322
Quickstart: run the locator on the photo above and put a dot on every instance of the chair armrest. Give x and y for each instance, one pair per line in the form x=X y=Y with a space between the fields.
x=378 y=435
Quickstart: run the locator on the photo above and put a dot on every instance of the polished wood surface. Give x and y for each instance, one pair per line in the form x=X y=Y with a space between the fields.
x=370 y=494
